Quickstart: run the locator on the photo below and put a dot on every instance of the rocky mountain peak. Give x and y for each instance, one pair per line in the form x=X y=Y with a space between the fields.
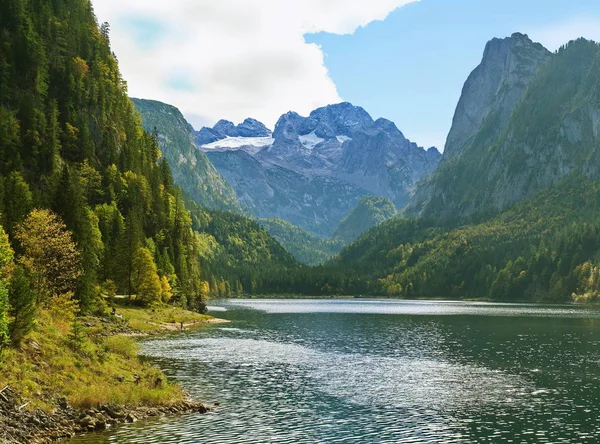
x=341 y=119
x=289 y=126
x=253 y=128
x=225 y=128
x=494 y=88
x=388 y=127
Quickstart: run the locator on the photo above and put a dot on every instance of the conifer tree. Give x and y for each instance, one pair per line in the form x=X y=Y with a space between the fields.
x=22 y=306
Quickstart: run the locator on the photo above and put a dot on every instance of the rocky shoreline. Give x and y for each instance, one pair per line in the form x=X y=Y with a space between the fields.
x=20 y=425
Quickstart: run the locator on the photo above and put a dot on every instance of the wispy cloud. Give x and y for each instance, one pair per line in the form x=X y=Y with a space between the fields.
x=232 y=58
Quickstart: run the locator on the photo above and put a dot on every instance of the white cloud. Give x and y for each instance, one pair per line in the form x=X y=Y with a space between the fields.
x=232 y=58
x=554 y=35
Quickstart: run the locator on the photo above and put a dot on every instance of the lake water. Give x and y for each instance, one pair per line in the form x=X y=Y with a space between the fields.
x=380 y=371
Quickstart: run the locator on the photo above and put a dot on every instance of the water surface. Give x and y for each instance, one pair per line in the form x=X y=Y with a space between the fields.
x=380 y=371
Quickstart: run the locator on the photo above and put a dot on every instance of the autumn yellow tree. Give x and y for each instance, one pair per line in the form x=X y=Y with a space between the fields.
x=49 y=255
x=145 y=279
x=167 y=292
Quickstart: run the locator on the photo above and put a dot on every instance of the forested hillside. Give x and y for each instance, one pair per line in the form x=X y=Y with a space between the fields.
x=86 y=198
x=191 y=169
x=370 y=212
x=307 y=248
x=544 y=249
x=552 y=131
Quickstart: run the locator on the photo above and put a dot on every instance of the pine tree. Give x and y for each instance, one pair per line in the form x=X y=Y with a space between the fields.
x=22 y=306
x=17 y=200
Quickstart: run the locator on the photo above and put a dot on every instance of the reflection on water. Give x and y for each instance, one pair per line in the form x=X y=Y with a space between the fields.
x=373 y=371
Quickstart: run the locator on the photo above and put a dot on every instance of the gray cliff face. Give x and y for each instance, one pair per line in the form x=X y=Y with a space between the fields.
x=381 y=160
x=316 y=168
x=552 y=131
x=315 y=203
x=494 y=88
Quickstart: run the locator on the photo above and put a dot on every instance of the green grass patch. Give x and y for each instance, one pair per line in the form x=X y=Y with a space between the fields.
x=88 y=369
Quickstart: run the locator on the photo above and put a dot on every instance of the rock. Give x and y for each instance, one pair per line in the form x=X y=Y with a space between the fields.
x=253 y=128
x=87 y=422
x=63 y=403
x=130 y=418
x=495 y=87
x=101 y=423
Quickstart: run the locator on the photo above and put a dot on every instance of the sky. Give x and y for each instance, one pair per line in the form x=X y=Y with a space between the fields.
x=405 y=60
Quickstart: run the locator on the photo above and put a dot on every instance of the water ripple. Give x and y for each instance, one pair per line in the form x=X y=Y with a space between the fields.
x=319 y=371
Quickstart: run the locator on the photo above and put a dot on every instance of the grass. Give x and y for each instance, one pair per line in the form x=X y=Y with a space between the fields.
x=89 y=366
x=160 y=319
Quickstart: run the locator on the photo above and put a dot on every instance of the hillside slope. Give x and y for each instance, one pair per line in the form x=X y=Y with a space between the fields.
x=370 y=212
x=191 y=169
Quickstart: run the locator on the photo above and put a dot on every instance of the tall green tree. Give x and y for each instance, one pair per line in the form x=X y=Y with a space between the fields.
x=22 y=306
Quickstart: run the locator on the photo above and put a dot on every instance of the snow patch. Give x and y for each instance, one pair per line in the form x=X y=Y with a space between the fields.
x=232 y=143
x=310 y=140
x=343 y=139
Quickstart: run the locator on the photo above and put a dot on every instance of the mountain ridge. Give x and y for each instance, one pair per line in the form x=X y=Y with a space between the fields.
x=331 y=158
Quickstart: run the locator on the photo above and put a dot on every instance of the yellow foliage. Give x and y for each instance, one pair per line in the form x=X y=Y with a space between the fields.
x=49 y=254
x=166 y=293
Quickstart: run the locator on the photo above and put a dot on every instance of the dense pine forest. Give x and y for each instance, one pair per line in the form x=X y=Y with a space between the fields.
x=88 y=204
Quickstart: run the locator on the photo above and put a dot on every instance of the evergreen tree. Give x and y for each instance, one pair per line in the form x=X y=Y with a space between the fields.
x=17 y=200
x=22 y=306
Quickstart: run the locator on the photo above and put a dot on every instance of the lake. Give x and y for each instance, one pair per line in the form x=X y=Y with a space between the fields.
x=381 y=371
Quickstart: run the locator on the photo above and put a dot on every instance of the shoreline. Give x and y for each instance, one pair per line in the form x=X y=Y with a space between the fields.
x=20 y=425
x=391 y=298
x=47 y=415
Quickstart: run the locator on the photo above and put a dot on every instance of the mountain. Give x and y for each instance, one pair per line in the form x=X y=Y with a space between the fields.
x=313 y=202
x=312 y=171
x=225 y=129
x=493 y=89
x=307 y=248
x=552 y=130
x=191 y=168
x=533 y=251
x=370 y=212
x=513 y=210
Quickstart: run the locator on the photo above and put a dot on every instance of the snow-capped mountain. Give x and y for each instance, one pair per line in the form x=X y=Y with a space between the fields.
x=312 y=171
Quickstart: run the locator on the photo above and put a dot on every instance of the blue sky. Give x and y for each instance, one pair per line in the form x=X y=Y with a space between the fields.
x=405 y=60
x=410 y=68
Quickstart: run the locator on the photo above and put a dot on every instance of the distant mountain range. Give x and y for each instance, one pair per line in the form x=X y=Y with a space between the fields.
x=312 y=171
x=509 y=212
